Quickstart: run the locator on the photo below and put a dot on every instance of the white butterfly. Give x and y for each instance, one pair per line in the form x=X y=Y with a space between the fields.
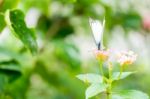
x=97 y=30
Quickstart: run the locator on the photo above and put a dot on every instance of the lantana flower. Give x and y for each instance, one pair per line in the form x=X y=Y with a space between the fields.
x=126 y=57
x=102 y=55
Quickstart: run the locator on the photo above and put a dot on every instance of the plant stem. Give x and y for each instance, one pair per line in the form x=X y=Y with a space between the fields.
x=121 y=69
x=109 y=89
x=109 y=83
x=101 y=68
x=108 y=95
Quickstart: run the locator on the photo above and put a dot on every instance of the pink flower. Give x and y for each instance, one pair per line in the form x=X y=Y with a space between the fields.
x=102 y=55
x=126 y=58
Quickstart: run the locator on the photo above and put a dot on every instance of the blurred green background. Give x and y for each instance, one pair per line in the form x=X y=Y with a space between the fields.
x=64 y=46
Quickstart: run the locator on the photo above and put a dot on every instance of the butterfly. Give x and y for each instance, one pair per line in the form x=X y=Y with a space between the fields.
x=97 y=30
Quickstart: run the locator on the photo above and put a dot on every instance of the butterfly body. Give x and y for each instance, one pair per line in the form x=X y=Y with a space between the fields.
x=99 y=46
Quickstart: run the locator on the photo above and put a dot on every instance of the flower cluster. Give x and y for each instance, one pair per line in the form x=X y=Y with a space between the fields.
x=123 y=58
x=126 y=57
x=102 y=55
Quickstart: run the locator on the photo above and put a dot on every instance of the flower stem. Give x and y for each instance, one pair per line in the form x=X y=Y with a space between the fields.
x=109 y=82
x=108 y=91
x=108 y=95
x=121 y=70
x=101 y=68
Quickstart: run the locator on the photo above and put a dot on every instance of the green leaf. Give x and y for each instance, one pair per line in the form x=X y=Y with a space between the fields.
x=38 y=4
x=132 y=20
x=11 y=69
x=115 y=75
x=95 y=89
x=8 y=4
x=67 y=53
x=130 y=94
x=90 y=78
x=15 y=21
x=2 y=22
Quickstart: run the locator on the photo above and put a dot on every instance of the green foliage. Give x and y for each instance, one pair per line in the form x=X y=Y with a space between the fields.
x=67 y=53
x=115 y=75
x=51 y=72
x=9 y=65
x=90 y=78
x=11 y=69
x=130 y=20
x=95 y=89
x=2 y=22
x=130 y=94
x=8 y=4
x=15 y=21
x=133 y=20
x=42 y=5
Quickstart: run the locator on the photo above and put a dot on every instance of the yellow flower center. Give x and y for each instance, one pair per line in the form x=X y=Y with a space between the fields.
x=101 y=55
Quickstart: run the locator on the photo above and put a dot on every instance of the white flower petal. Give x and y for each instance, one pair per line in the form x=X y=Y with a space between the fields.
x=126 y=56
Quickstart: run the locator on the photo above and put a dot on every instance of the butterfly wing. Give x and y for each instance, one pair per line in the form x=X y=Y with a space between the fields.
x=97 y=30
